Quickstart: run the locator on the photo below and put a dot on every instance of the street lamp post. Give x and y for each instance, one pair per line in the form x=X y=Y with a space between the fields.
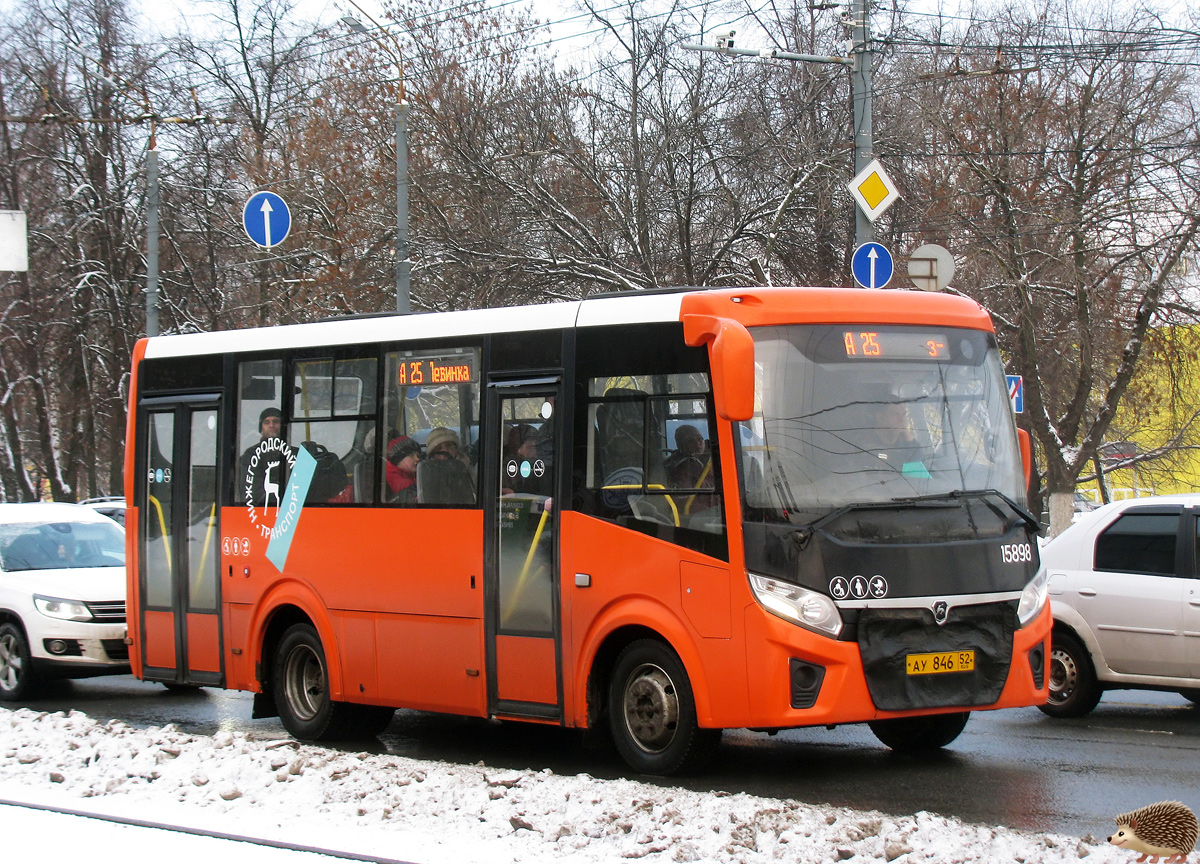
x=403 y=265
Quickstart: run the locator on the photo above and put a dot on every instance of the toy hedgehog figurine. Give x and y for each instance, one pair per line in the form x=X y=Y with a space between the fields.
x=1164 y=830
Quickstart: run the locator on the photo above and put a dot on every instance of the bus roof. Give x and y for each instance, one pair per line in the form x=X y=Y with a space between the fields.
x=829 y=305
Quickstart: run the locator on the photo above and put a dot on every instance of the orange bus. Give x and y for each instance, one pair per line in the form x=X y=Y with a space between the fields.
x=668 y=513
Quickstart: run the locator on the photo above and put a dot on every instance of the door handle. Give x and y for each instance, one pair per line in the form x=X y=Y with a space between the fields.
x=1087 y=592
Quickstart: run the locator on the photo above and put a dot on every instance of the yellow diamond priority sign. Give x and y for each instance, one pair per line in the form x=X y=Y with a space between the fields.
x=874 y=190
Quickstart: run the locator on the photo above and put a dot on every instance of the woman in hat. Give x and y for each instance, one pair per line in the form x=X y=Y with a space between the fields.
x=403 y=453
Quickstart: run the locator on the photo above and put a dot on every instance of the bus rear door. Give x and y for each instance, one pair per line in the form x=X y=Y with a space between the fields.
x=179 y=538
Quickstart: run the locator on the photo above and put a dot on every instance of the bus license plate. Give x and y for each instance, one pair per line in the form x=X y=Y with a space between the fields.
x=942 y=661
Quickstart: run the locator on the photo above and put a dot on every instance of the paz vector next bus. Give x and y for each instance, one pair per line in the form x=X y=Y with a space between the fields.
x=666 y=513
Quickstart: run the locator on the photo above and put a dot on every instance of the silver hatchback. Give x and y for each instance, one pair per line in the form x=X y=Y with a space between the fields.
x=1124 y=585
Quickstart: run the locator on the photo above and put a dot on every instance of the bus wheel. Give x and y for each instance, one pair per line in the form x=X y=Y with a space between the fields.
x=17 y=678
x=920 y=734
x=301 y=685
x=652 y=714
x=1074 y=690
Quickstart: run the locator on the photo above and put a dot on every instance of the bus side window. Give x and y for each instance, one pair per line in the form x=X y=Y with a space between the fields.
x=260 y=419
x=641 y=482
x=333 y=412
x=436 y=393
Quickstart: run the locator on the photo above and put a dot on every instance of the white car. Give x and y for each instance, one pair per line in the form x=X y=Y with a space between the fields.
x=1124 y=585
x=112 y=506
x=62 y=596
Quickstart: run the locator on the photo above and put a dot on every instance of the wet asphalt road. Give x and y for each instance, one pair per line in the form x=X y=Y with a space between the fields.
x=1016 y=768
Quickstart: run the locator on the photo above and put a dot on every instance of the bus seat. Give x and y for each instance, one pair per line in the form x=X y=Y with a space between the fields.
x=445 y=481
x=655 y=508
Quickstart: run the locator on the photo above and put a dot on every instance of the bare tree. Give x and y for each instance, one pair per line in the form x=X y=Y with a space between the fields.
x=1063 y=157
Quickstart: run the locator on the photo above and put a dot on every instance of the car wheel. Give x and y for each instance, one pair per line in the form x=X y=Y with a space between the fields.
x=17 y=678
x=301 y=688
x=1074 y=690
x=1191 y=695
x=652 y=714
x=920 y=734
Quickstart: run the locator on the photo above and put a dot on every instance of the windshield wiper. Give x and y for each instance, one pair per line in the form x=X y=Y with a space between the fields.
x=981 y=494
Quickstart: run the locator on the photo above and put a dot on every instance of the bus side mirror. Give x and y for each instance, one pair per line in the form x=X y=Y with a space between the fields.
x=731 y=354
x=1026 y=443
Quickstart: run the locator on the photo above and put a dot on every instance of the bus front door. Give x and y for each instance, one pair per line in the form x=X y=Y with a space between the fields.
x=179 y=539
x=523 y=587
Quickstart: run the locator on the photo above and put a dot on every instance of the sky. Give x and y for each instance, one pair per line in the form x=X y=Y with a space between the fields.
x=431 y=812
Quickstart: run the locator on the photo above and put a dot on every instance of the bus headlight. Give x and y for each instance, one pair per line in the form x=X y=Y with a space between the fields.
x=67 y=610
x=1033 y=598
x=799 y=605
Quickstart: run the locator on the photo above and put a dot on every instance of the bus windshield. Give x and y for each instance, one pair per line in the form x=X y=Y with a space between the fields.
x=852 y=414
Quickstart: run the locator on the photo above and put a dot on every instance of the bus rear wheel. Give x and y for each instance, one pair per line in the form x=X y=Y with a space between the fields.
x=301 y=685
x=920 y=734
x=652 y=713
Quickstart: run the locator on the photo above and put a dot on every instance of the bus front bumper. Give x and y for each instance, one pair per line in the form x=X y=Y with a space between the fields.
x=797 y=678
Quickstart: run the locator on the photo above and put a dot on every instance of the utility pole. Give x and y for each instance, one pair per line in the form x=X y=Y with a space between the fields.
x=152 y=238
x=403 y=264
x=863 y=59
x=860 y=61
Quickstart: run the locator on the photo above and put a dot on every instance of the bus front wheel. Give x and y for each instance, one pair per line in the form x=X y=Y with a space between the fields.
x=920 y=734
x=652 y=713
x=301 y=684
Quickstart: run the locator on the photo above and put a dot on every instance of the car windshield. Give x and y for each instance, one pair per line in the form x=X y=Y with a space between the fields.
x=58 y=545
x=869 y=415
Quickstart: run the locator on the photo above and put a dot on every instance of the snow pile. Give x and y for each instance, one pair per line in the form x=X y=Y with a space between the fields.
x=436 y=811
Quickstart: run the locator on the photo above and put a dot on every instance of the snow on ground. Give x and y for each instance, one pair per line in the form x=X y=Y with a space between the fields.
x=447 y=813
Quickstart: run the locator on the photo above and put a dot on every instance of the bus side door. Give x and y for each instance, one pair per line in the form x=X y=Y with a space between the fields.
x=180 y=539
x=522 y=585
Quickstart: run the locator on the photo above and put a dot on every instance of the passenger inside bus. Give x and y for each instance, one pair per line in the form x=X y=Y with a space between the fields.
x=403 y=454
x=688 y=465
x=270 y=471
x=444 y=476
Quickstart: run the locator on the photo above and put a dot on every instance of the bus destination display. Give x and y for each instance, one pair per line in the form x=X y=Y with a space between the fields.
x=425 y=371
x=895 y=345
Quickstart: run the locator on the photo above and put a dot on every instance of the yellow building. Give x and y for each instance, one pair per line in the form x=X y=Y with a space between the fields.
x=1157 y=421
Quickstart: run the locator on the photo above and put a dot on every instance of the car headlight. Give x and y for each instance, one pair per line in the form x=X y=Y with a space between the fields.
x=799 y=605
x=67 y=610
x=1033 y=598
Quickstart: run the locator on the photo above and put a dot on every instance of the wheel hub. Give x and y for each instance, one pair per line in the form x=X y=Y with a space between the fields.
x=1064 y=676
x=651 y=708
x=304 y=682
x=10 y=662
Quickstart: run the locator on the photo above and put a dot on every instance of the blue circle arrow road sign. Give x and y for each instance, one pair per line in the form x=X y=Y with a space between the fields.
x=872 y=265
x=266 y=219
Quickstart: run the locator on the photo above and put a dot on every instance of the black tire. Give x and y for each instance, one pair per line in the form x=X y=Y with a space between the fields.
x=920 y=734
x=301 y=689
x=652 y=714
x=1074 y=690
x=1191 y=695
x=18 y=680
